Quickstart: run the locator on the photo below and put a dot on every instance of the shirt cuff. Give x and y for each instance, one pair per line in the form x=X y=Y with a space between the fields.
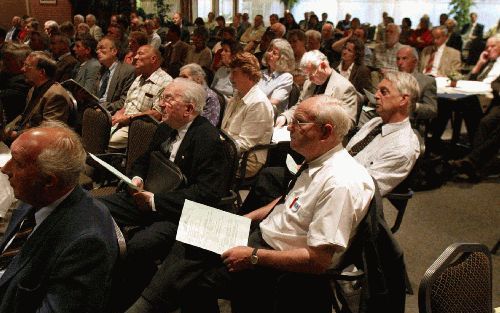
x=152 y=203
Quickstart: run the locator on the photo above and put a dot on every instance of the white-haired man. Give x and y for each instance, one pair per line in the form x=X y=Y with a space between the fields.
x=439 y=59
x=295 y=234
x=95 y=30
x=385 y=52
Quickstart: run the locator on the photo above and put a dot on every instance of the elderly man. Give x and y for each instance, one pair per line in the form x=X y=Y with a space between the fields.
x=46 y=101
x=454 y=39
x=142 y=96
x=51 y=28
x=14 y=30
x=116 y=76
x=178 y=21
x=331 y=188
x=472 y=30
x=426 y=106
x=385 y=52
x=322 y=79
x=194 y=145
x=153 y=38
x=279 y=29
x=61 y=52
x=77 y=20
x=439 y=59
x=248 y=117
x=60 y=247
x=313 y=40
x=95 y=30
x=487 y=68
x=255 y=32
x=87 y=72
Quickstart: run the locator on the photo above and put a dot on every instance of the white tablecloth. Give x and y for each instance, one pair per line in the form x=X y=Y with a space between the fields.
x=6 y=192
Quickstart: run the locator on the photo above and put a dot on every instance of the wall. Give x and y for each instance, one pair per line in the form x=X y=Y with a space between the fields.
x=60 y=12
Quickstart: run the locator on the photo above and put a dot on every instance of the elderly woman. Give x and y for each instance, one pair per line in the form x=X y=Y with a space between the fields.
x=352 y=65
x=221 y=82
x=136 y=39
x=277 y=80
x=248 y=117
x=211 y=110
x=198 y=52
x=422 y=36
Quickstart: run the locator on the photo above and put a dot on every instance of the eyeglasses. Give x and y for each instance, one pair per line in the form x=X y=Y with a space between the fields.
x=171 y=100
x=297 y=123
x=314 y=73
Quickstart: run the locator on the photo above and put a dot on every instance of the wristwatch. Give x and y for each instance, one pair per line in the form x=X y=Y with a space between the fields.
x=254 y=258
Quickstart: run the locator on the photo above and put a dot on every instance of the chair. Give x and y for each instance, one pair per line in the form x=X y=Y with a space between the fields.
x=222 y=103
x=380 y=263
x=231 y=153
x=294 y=96
x=459 y=281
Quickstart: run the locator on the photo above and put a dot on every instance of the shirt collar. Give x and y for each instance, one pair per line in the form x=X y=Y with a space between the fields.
x=249 y=93
x=316 y=164
x=113 y=66
x=154 y=77
x=43 y=213
x=389 y=128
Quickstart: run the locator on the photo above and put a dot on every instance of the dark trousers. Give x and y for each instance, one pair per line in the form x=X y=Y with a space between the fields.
x=193 y=279
x=150 y=242
x=468 y=107
x=487 y=139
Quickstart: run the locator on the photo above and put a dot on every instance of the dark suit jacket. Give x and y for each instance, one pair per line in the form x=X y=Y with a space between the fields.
x=88 y=75
x=65 y=67
x=13 y=92
x=455 y=41
x=66 y=264
x=478 y=31
x=53 y=105
x=360 y=78
x=200 y=158
x=122 y=79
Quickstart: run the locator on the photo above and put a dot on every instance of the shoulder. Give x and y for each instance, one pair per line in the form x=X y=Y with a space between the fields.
x=452 y=51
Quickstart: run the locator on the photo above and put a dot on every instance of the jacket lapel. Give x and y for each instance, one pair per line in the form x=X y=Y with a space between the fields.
x=113 y=83
x=181 y=153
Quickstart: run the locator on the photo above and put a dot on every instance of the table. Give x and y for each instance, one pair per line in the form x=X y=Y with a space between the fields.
x=7 y=198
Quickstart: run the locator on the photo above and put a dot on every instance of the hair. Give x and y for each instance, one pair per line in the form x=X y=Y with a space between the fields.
x=229 y=30
x=140 y=37
x=44 y=38
x=313 y=34
x=442 y=28
x=221 y=18
x=202 y=32
x=286 y=61
x=51 y=24
x=91 y=17
x=414 y=51
x=199 y=21
x=62 y=38
x=274 y=15
x=234 y=45
x=83 y=25
x=314 y=57
x=175 y=29
x=407 y=20
x=67 y=28
x=196 y=71
x=64 y=157
x=279 y=27
x=79 y=17
x=19 y=52
x=248 y=64
x=192 y=92
x=299 y=33
x=398 y=29
x=359 y=49
x=44 y=62
x=89 y=42
x=328 y=110
x=406 y=84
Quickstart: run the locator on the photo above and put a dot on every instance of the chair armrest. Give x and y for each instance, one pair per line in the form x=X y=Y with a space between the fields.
x=400 y=195
x=244 y=156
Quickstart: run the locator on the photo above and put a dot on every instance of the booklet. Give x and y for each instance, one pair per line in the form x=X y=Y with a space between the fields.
x=114 y=171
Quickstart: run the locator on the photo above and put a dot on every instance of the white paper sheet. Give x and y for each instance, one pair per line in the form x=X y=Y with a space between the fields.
x=212 y=229
x=291 y=165
x=281 y=134
x=114 y=171
x=4 y=154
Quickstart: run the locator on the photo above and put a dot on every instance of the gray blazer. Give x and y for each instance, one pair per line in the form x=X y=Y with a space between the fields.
x=122 y=79
x=427 y=103
x=87 y=75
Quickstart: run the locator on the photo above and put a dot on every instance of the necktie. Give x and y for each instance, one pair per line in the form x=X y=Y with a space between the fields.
x=104 y=84
x=484 y=73
x=366 y=141
x=428 y=67
x=166 y=147
x=20 y=237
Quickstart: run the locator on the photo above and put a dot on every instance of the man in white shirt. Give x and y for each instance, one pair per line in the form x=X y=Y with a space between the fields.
x=14 y=30
x=255 y=32
x=439 y=59
x=304 y=232
x=142 y=96
x=95 y=30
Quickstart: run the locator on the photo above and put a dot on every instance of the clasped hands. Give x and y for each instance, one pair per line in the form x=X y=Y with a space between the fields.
x=141 y=197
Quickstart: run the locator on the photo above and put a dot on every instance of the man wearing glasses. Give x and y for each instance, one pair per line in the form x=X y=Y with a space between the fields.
x=193 y=144
x=300 y=234
x=322 y=79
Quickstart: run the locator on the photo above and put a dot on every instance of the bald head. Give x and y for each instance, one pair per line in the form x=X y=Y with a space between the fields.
x=147 y=60
x=279 y=29
x=406 y=59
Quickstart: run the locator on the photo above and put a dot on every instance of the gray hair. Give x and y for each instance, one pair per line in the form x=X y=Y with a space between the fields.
x=314 y=57
x=398 y=29
x=313 y=34
x=406 y=84
x=51 y=24
x=64 y=157
x=79 y=17
x=286 y=62
x=414 y=51
x=192 y=92
x=442 y=28
x=91 y=17
x=330 y=110
x=196 y=71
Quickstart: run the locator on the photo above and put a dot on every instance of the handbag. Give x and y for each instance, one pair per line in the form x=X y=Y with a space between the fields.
x=163 y=175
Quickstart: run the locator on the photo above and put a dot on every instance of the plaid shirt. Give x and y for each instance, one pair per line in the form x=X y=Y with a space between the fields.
x=144 y=93
x=386 y=57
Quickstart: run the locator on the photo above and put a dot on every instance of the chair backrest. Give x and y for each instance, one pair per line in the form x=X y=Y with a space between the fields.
x=231 y=154
x=459 y=281
x=74 y=119
x=140 y=134
x=96 y=126
x=294 y=96
x=222 y=103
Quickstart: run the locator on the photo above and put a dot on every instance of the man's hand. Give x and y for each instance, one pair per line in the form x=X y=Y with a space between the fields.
x=143 y=200
x=238 y=258
x=119 y=117
x=280 y=121
x=137 y=182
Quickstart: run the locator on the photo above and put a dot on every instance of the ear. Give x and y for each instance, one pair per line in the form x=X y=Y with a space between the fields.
x=50 y=181
x=405 y=100
x=326 y=131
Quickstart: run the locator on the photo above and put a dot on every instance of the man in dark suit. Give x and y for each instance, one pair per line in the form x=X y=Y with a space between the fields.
x=472 y=30
x=60 y=247
x=87 y=73
x=194 y=145
x=454 y=38
x=66 y=63
x=116 y=76
x=14 y=30
x=46 y=100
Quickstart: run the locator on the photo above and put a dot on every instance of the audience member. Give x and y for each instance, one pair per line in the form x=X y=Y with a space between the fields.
x=304 y=23
x=198 y=52
x=51 y=28
x=77 y=20
x=13 y=86
x=322 y=79
x=87 y=72
x=443 y=17
x=117 y=32
x=136 y=39
x=222 y=82
x=454 y=39
x=153 y=38
x=290 y=22
x=277 y=80
x=422 y=36
x=39 y=41
x=116 y=77
x=439 y=59
x=381 y=28
x=314 y=23
x=313 y=40
x=61 y=52
x=426 y=106
x=178 y=21
x=236 y=24
x=344 y=24
x=279 y=29
x=174 y=56
x=265 y=42
x=46 y=101
x=385 y=52
x=331 y=189
x=13 y=32
x=352 y=66
x=248 y=117
x=142 y=96
x=73 y=273
x=95 y=30
x=67 y=29
x=212 y=108
x=83 y=29
x=297 y=40
x=255 y=32
x=471 y=31
x=406 y=31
